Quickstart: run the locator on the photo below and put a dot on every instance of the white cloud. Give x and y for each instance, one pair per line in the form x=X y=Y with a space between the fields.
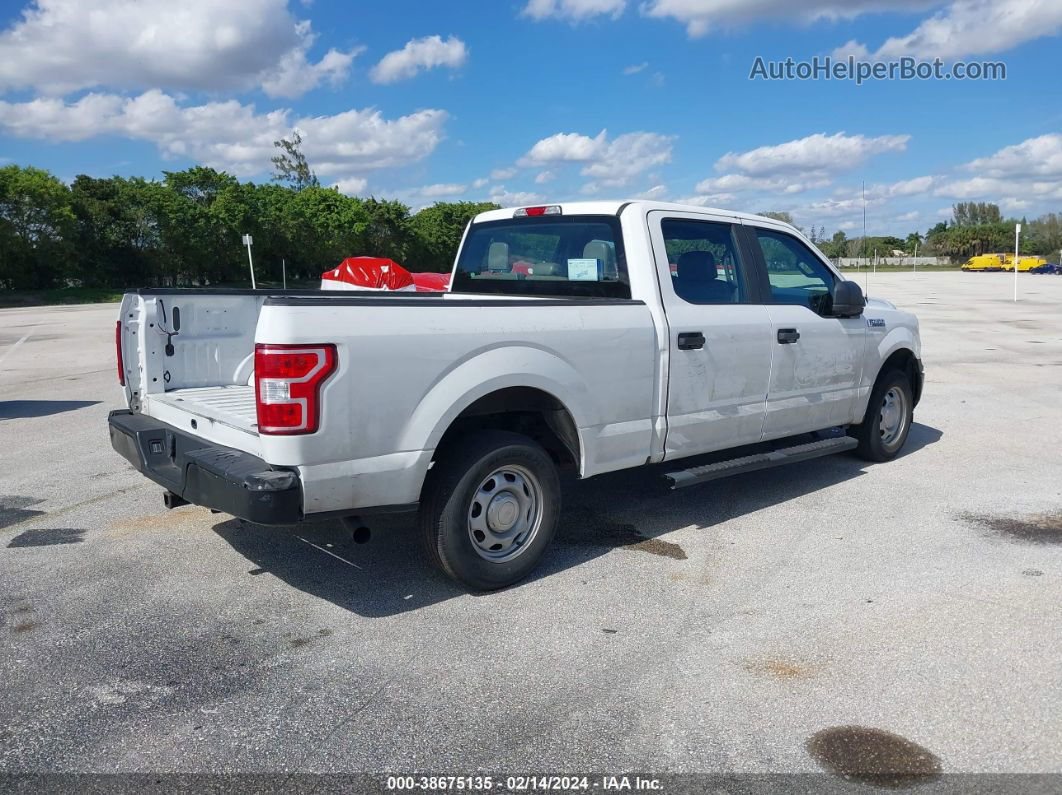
x=295 y=75
x=740 y=183
x=230 y=135
x=352 y=186
x=635 y=68
x=573 y=10
x=565 y=148
x=707 y=200
x=1034 y=157
x=499 y=194
x=1031 y=169
x=441 y=189
x=545 y=176
x=818 y=154
x=971 y=27
x=479 y=183
x=910 y=187
x=503 y=173
x=628 y=156
x=653 y=193
x=796 y=166
x=959 y=28
x=1015 y=205
x=429 y=52
x=610 y=163
x=61 y=46
x=701 y=16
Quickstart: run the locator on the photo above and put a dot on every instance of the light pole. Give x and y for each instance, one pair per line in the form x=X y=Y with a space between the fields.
x=247 y=241
x=1017 y=240
x=914 y=262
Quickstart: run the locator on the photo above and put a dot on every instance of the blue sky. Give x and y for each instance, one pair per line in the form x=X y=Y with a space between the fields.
x=524 y=101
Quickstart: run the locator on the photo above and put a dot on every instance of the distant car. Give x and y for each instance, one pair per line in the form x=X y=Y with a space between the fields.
x=1047 y=267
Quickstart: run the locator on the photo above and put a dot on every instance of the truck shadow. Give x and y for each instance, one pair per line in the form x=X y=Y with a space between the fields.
x=24 y=409
x=392 y=575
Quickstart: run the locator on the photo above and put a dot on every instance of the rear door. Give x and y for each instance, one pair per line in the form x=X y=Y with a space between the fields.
x=817 y=359
x=720 y=343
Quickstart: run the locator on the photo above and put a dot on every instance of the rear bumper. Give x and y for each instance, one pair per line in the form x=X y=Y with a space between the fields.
x=199 y=472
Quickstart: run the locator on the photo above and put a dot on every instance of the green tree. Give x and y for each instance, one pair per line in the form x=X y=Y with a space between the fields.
x=290 y=165
x=437 y=233
x=36 y=229
x=784 y=217
x=322 y=227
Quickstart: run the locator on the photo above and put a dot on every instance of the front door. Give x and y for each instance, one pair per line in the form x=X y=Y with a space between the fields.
x=720 y=348
x=817 y=359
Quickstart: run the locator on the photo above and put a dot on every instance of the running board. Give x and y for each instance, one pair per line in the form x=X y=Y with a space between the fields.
x=751 y=463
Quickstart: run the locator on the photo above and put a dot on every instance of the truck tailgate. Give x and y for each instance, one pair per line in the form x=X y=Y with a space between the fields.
x=230 y=405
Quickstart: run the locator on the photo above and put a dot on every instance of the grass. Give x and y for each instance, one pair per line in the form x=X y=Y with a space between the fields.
x=64 y=295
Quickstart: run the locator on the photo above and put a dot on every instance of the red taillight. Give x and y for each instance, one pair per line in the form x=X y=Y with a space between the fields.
x=287 y=386
x=118 y=352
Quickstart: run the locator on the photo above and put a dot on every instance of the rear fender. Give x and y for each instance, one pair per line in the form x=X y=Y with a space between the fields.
x=514 y=366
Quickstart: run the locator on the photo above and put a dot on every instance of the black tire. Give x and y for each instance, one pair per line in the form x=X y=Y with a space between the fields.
x=460 y=479
x=877 y=439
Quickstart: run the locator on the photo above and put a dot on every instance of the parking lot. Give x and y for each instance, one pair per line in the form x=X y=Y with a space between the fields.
x=734 y=627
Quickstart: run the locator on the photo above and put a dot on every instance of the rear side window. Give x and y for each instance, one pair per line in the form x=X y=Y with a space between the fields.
x=578 y=256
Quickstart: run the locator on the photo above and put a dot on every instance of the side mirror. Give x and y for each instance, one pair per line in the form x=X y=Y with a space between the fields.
x=848 y=300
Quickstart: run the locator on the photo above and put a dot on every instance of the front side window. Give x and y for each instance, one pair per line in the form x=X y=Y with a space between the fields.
x=577 y=256
x=795 y=274
x=703 y=260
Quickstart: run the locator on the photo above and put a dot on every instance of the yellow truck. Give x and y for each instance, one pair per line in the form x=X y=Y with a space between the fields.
x=985 y=262
x=1025 y=264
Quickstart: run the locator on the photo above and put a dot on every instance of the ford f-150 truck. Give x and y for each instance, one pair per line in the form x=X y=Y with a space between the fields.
x=592 y=336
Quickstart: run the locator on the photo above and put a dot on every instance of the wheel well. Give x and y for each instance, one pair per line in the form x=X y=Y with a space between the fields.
x=525 y=410
x=906 y=362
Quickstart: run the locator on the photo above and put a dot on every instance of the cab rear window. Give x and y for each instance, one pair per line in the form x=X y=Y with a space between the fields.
x=578 y=256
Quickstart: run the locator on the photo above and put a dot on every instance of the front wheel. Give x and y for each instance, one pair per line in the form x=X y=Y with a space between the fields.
x=490 y=508
x=887 y=422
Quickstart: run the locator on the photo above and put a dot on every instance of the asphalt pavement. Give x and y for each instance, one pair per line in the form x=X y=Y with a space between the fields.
x=785 y=621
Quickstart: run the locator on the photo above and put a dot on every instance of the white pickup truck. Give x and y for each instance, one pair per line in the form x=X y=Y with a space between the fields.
x=592 y=336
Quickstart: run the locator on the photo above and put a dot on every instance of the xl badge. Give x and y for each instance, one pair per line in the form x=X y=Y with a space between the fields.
x=876 y=322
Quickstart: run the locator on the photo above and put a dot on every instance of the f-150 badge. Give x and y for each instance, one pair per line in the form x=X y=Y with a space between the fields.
x=876 y=322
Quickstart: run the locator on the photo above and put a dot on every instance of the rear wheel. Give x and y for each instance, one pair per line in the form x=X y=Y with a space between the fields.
x=887 y=422
x=490 y=509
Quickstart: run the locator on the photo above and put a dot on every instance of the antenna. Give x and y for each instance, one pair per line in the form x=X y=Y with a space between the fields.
x=867 y=279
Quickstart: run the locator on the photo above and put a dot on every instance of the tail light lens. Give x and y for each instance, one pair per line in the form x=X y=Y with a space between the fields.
x=287 y=386
x=118 y=352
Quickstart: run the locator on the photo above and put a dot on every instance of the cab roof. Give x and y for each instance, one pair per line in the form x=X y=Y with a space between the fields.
x=613 y=207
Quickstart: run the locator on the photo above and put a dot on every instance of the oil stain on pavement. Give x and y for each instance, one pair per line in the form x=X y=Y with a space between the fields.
x=1038 y=529
x=583 y=527
x=873 y=756
x=779 y=669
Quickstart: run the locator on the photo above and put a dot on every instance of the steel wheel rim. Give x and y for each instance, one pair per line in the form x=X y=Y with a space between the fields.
x=505 y=513
x=893 y=416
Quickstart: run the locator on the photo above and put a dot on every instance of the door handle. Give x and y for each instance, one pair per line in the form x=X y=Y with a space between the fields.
x=690 y=341
x=787 y=336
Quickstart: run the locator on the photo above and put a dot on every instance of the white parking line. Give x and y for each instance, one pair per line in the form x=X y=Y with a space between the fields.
x=14 y=347
x=333 y=554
